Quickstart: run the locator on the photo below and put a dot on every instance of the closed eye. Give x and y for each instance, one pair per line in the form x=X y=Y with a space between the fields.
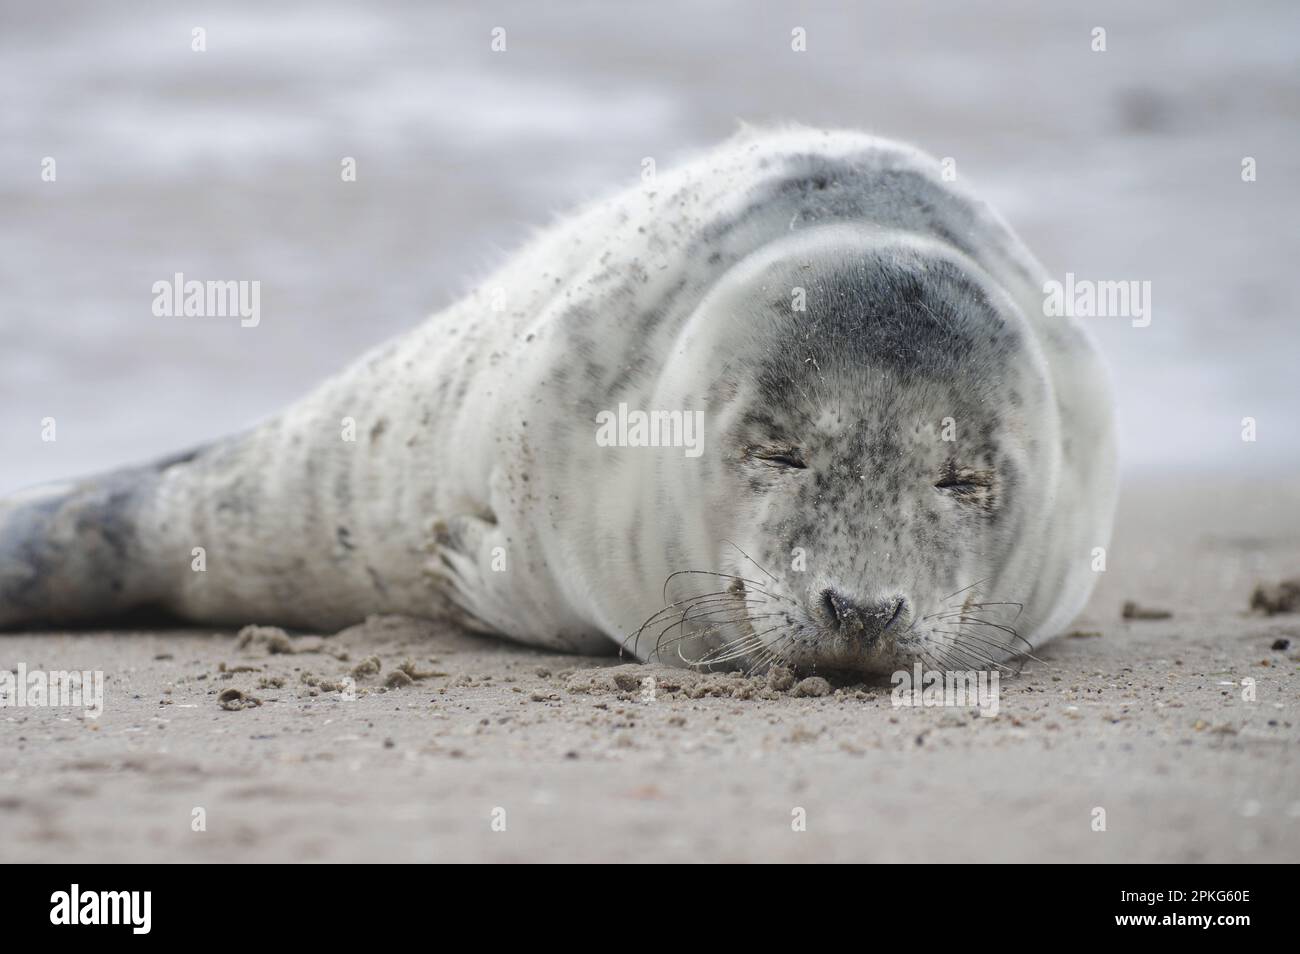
x=963 y=481
x=958 y=484
x=779 y=456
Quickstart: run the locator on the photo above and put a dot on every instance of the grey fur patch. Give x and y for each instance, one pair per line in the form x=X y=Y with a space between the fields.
x=77 y=555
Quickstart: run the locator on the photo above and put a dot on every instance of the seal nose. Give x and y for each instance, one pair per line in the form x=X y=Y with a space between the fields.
x=868 y=621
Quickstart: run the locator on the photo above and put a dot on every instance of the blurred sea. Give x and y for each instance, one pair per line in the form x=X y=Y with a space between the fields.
x=225 y=165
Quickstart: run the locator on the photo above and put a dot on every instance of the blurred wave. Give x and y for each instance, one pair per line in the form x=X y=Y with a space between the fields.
x=225 y=164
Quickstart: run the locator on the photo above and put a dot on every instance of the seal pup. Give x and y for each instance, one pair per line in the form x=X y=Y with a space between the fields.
x=898 y=456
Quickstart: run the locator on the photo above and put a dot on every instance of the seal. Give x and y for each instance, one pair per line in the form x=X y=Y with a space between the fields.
x=794 y=402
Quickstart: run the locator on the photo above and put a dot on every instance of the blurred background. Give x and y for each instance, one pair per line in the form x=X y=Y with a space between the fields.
x=225 y=164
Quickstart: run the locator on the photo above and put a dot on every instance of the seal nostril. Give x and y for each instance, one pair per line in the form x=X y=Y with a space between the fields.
x=833 y=604
x=899 y=607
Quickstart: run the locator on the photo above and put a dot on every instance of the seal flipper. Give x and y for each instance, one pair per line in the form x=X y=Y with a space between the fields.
x=73 y=553
x=460 y=545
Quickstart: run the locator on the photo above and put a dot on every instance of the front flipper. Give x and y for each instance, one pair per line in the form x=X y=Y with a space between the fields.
x=464 y=548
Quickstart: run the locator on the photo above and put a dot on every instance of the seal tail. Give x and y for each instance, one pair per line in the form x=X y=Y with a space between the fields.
x=75 y=552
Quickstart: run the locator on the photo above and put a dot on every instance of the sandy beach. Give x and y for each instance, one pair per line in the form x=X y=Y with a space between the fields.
x=1182 y=731
x=1142 y=718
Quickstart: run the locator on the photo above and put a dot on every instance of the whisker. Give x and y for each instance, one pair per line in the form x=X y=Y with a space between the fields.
x=704 y=660
x=735 y=649
x=980 y=638
x=772 y=656
x=709 y=605
x=930 y=661
x=964 y=589
x=721 y=597
x=1016 y=655
x=720 y=594
x=1026 y=652
x=1010 y=630
x=725 y=576
x=716 y=601
x=672 y=606
x=1020 y=607
x=976 y=650
x=753 y=561
x=705 y=616
x=713 y=627
x=956 y=652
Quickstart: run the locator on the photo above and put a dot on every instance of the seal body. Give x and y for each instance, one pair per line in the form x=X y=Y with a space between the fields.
x=898 y=456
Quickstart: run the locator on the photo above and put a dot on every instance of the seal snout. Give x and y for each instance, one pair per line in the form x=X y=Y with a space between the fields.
x=864 y=620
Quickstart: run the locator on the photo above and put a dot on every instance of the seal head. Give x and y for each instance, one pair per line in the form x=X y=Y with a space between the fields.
x=884 y=454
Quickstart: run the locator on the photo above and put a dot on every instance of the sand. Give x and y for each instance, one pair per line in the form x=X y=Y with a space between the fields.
x=402 y=740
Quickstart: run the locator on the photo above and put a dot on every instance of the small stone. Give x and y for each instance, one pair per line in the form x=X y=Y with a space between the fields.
x=233 y=700
x=627 y=681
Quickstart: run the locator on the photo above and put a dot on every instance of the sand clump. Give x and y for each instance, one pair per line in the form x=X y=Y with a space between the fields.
x=398 y=680
x=647 y=682
x=409 y=668
x=780 y=679
x=1132 y=610
x=276 y=642
x=233 y=700
x=313 y=681
x=1274 y=598
x=812 y=687
x=638 y=681
x=370 y=666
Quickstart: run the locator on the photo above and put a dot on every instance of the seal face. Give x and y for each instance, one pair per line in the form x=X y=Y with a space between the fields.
x=898 y=457
x=875 y=464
